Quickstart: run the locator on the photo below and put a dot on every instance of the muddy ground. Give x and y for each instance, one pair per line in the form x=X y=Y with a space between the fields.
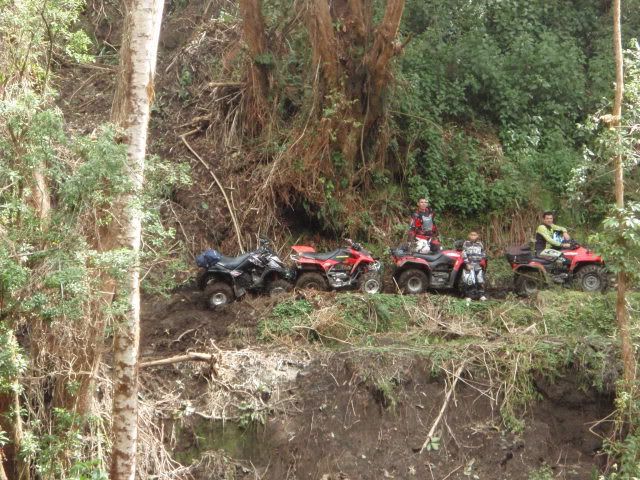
x=351 y=413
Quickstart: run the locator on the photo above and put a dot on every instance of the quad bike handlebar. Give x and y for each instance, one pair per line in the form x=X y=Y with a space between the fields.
x=356 y=246
x=573 y=244
x=264 y=241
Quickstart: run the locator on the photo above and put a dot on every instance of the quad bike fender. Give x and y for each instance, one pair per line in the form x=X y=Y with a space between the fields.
x=411 y=262
x=303 y=249
x=581 y=262
x=533 y=267
x=363 y=264
x=304 y=266
x=205 y=277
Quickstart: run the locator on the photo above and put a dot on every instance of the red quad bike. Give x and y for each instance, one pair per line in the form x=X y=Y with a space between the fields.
x=582 y=269
x=418 y=272
x=351 y=266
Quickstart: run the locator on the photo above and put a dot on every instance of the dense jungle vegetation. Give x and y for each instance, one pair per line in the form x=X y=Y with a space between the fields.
x=321 y=120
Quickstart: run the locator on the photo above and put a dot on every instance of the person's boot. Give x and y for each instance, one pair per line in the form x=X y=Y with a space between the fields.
x=483 y=297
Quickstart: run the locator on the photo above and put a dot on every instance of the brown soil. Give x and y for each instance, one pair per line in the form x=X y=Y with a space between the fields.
x=182 y=321
x=346 y=429
x=340 y=424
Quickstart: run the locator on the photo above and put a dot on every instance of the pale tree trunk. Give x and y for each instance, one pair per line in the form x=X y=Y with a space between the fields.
x=41 y=195
x=622 y=315
x=3 y=475
x=16 y=465
x=131 y=112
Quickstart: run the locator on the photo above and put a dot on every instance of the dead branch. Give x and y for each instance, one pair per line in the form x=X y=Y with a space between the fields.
x=188 y=357
x=445 y=404
x=183 y=334
x=224 y=193
x=225 y=84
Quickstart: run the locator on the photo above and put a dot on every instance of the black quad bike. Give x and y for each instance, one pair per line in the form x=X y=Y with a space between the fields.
x=223 y=279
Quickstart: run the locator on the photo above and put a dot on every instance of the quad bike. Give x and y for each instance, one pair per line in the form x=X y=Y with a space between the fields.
x=577 y=266
x=417 y=272
x=223 y=279
x=351 y=266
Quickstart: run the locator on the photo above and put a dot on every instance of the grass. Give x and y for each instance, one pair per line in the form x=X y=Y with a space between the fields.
x=355 y=318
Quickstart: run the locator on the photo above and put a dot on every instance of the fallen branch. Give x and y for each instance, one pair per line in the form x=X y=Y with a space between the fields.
x=445 y=404
x=183 y=334
x=188 y=357
x=215 y=178
x=225 y=84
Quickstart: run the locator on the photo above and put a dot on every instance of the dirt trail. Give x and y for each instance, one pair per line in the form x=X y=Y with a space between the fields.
x=354 y=414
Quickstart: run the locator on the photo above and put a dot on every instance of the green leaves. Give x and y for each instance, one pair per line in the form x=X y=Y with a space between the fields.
x=12 y=362
x=619 y=240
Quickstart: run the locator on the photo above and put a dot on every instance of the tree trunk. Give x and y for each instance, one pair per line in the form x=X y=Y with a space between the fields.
x=324 y=42
x=258 y=83
x=11 y=422
x=134 y=95
x=358 y=125
x=622 y=315
x=3 y=475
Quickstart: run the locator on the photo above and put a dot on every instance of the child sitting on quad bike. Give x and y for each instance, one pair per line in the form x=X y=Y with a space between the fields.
x=423 y=228
x=473 y=274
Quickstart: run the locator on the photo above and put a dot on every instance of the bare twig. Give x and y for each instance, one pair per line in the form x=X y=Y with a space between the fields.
x=224 y=193
x=445 y=404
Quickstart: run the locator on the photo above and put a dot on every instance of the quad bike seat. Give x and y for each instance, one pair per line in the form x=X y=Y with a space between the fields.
x=523 y=255
x=520 y=254
x=233 y=262
x=325 y=255
x=429 y=257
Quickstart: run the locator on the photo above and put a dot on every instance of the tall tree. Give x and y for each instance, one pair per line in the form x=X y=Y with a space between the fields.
x=134 y=94
x=254 y=32
x=622 y=316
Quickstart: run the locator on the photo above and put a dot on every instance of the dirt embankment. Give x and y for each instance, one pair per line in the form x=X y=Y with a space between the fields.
x=297 y=412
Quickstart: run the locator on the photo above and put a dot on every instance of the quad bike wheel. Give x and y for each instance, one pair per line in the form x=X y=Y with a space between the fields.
x=278 y=287
x=413 y=281
x=591 y=278
x=218 y=294
x=527 y=283
x=312 y=280
x=371 y=283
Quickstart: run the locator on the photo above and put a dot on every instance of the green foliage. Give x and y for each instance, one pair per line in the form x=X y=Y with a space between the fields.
x=284 y=317
x=12 y=360
x=625 y=451
x=619 y=240
x=101 y=177
x=592 y=179
x=250 y=416
x=363 y=315
x=543 y=473
x=64 y=445
x=36 y=31
x=518 y=77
